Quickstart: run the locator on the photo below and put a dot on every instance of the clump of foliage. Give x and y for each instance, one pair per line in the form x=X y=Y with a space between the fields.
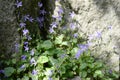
x=64 y=54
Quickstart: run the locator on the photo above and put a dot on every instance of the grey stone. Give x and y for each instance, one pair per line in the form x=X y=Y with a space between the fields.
x=93 y=16
x=8 y=28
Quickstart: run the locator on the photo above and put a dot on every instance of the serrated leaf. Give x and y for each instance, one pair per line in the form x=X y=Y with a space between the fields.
x=9 y=71
x=42 y=59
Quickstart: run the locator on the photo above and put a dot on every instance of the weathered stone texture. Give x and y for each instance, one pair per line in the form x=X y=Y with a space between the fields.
x=8 y=29
x=99 y=16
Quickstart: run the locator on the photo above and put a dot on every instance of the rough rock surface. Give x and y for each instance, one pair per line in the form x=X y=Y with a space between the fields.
x=99 y=21
x=8 y=29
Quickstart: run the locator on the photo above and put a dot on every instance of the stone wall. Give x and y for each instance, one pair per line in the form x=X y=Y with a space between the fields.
x=99 y=21
x=9 y=36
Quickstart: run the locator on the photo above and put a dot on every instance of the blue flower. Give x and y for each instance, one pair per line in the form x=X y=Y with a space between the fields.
x=60 y=11
x=22 y=24
x=23 y=66
x=75 y=35
x=23 y=57
x=59 y=18
x=40 y=4
x=83 y=46
x=43 y=12
x=77 y=55
x=32 y=52
x=25 y=43
x=26 y=17
x=29 y=37
x=1 y=71
x=72 y=26
x=40 y=20
x=31 y=19
x=25 y=32
x=51 y=30
x=32 y=61
x=109 y=27
x=53 y=25
x=50 y=78
x=72 y=14
x=98 y=34
x=19 y=4
x=26 y=48
x=34 y=72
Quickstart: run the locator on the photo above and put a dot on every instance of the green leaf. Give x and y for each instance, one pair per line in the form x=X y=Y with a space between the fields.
x=59 y=39
x=74 y=51
x=38 y=46
x=65 y=43
x=98 y=73
x=25 y=78
x=42 y=59
x=74 y=40
x=53 y=61
x=13 y=61
x=83 y=66
x=47 y=44
x=9 y=71
x=83 y=74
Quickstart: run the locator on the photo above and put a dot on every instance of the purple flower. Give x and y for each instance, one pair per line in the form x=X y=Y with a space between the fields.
x=32 y=61
x=110 y=71
x=17 y=45
x=34 y=72
x=50 y=78
x=90 y=37
x=29 y=38
x=23 y=57
x=109 y=27
x=22 y=24
x=51 y=30
x=26 y=17
x=32 y=52
x=75 y=35
x=25 y=32
x=77 y=55
x=26 y=48
x=59 y=18
x=25 y=43
x=83 y=46
x=43 y=12
x=1 y=71
x=53 y=25
x=31 y=19
x=19 y=4
x=98 y=34
x=60 y=11
x=72 y=14
x=72 y=26
x=23 y=66
x=40 y=4
x=40 y=20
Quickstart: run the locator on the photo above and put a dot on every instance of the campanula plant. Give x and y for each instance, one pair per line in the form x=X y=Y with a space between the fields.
x=62 y=55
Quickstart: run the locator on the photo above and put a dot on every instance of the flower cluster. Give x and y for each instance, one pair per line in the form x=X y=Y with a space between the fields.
x=57 y=18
